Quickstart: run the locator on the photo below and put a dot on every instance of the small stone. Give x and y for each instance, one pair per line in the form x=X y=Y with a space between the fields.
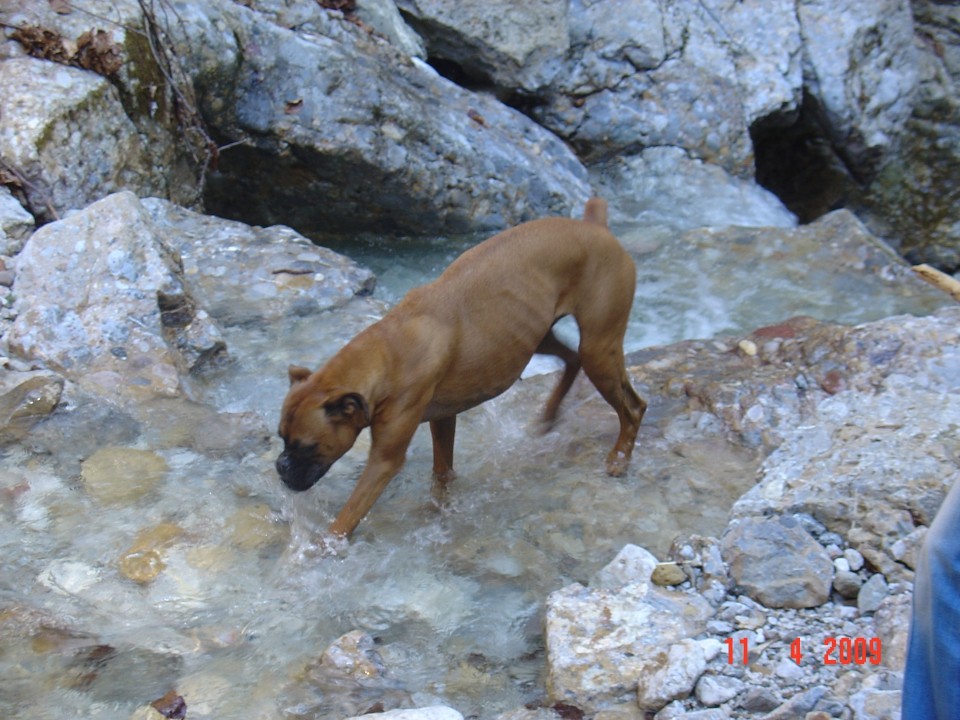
x=788 y=669
x=872 y=594
x=757 y=700
x=256 y=526
x=841 y=564
x=854 y=558
x=143 y=562
x=714 y=690
x=847 y=583
x=353 y=655
x=142 y=566
x=666 y=574
x=747 y=347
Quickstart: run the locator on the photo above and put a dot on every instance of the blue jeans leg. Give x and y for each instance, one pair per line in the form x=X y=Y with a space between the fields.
x=931 y=682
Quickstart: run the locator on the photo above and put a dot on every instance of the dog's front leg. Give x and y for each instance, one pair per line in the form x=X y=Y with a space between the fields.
x=388 y=449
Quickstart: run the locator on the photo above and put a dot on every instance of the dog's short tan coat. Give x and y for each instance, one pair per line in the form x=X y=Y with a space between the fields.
x=463 y=339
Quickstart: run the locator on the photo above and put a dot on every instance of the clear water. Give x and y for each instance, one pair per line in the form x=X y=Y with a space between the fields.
x=245 y=602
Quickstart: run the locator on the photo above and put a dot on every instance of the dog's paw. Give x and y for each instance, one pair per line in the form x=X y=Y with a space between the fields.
x=617 y=463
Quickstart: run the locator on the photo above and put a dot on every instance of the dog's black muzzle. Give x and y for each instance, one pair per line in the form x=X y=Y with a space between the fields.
x=299 y=473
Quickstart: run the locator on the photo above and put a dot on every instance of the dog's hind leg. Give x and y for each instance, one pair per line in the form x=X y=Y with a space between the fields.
x=550 y=345
x=443 y=431
x=603 y=324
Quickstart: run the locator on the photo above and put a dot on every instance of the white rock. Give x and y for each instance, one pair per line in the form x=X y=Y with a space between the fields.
x=671 y=675
x=633 y=564
x=437 y=712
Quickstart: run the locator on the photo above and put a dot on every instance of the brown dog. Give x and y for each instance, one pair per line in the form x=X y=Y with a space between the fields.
x=461 y=340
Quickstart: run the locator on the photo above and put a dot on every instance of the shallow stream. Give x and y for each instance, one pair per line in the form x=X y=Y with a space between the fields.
x=184 y=565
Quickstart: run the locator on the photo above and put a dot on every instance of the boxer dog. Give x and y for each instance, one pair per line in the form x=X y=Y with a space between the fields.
x=463 y=339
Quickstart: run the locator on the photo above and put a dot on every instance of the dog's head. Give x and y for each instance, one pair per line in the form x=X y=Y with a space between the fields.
x=317 y=427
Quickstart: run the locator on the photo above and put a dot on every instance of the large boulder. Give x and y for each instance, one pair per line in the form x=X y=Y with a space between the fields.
x=862 y=68
x=778 y=563
x=88 y=110
x=916 y=196
x=101 y=299
x=242 y=274
x=66 y=133
x=340 y=131
x=599 y=641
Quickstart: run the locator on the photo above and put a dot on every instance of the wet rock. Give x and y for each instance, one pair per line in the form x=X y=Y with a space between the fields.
x=353 y=655
x=256 y=526
x=349 y=679
x=242 y=274
x=176 y=422
x=105 y=672
x=777 y=562
x=65 y=435
x=25 y=400
x=171 y=706
x=664 y=186
x=598 y=641
x=672 y=674
x=69 y=577
x=143 y=561
x=120 y=475
x=101 y=298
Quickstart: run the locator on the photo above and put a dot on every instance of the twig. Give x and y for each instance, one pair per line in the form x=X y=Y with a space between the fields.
x=938 y=279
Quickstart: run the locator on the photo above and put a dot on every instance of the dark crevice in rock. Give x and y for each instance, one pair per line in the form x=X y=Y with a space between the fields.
x=796 y=160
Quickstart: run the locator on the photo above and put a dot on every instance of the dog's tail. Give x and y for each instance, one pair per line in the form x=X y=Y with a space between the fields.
x=596 y=211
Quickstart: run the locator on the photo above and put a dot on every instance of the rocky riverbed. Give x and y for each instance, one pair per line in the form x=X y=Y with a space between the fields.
x=785 y=475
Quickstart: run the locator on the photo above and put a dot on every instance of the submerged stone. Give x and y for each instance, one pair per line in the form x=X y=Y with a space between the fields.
x=118 y=475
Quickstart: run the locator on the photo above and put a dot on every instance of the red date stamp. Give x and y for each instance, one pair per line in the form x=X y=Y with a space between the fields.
x=836 y=651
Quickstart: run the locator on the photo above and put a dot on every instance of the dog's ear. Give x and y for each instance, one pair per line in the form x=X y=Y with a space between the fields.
x=297 y=374
x=349 y=407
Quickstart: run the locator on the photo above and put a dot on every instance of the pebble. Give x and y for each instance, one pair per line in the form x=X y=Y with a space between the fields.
x=667 y=574
x=847 y=583
x=854 y=559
